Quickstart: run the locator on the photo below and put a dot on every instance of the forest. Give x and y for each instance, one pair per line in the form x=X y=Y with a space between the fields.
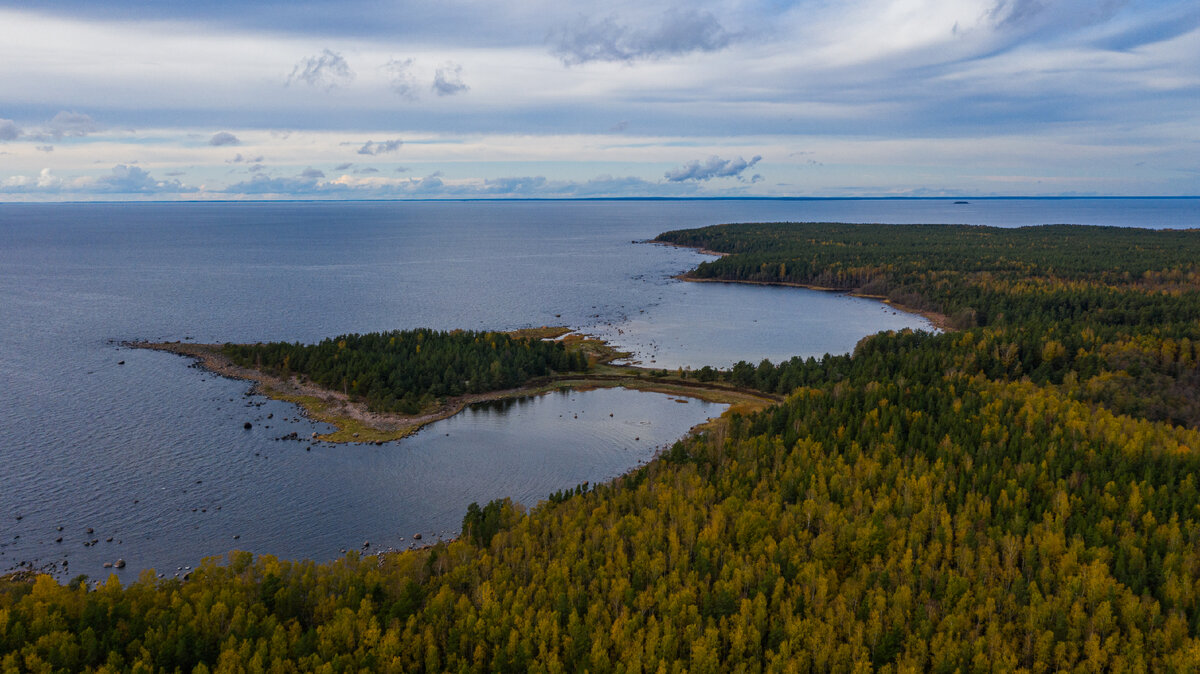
x=1017 y=494
x=407 y=370
x=1105 y=314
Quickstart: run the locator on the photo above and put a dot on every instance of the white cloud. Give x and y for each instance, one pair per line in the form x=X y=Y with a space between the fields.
x=125 y=179
x=43 y=182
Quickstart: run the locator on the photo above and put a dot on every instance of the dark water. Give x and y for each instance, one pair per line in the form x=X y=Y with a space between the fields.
x=153 y=454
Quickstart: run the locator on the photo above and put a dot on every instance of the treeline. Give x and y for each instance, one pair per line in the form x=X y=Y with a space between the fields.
x=931 y=503
x=407 y=370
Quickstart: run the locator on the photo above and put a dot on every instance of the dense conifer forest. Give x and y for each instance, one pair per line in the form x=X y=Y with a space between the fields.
x=407 y=370
x=1019 y=493
x=1107 y=314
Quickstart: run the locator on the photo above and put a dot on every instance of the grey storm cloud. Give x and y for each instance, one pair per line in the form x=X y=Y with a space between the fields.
x=713 y=167
x=327 y=70
x=312 y=173
x=9 y=130
x=342 y=167
x=238 y=159
x=371 y=147
x=70 y=125
x=223 y=138
x=680 y=32
x=403 y=82
x=448 y=81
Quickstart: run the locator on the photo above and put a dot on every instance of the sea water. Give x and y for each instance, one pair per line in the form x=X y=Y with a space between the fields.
x=144 y=449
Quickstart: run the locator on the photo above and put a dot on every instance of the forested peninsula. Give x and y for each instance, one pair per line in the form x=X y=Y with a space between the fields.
x=383 y=386
x=1017 y=494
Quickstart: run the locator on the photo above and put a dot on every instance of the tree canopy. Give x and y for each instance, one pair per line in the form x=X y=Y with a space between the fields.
x=406 y=370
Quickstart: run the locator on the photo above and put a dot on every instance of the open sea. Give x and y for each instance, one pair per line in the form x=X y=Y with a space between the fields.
x=134 y=455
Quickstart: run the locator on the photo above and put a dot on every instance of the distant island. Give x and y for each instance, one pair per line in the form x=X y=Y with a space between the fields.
x=383 y=386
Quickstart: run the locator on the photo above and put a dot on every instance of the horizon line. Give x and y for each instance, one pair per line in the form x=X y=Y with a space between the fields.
x=560 y=199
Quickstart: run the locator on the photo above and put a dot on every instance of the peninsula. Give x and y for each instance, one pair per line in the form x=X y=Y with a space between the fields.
x=380 y=387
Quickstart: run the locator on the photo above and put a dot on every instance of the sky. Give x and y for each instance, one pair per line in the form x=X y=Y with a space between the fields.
x=377 y=99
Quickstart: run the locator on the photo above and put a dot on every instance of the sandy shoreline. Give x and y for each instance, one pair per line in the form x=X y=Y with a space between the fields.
x=939 y=321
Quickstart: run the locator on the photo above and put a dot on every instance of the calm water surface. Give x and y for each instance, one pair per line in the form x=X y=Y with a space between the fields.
x=153 y=453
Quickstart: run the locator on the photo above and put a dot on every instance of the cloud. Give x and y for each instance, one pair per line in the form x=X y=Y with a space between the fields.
x=435 y=186
x=43 y=182
x=261 y=184
x=430 y=183
x=312 y=173
x=45 y=148
x=367 y=169
x=680 y=32
x=9 y=130
x=1026 y=14
x=327 y=70
x=713 y=167
x=70 y=125
x=371 y=147
x=403 y=82
x=130 y=180
x=447 y=81
x=223 y=138
x=343 y=167
x=238 y=158
x=122 y=179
